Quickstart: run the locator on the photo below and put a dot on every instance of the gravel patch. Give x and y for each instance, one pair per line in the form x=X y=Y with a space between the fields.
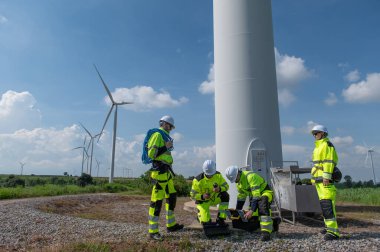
x=23 y=228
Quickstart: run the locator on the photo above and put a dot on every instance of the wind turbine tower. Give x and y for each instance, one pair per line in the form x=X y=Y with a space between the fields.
x=247 y=124
x=91 y=143
x=84 y=151
x=369 y=153
x=22 y=167
x=114 y=105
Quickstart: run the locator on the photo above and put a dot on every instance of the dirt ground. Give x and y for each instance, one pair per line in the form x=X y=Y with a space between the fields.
x=134 y=209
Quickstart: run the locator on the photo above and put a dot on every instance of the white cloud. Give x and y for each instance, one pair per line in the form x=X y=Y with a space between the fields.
x=353 y=76
x=290 y=70
x=364 y=91
x=288 y=130
x=3 y=19
x=207 y=152
x=45 y=151
x=177 y=136
x=342 y=141
x=361 y=149
x=294 y=149
x=145 y=98
x=208 y=86
x=18 y=111
x=331 y=99
x=285 y=97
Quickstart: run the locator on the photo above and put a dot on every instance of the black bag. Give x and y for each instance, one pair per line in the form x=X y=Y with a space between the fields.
x=337 y=175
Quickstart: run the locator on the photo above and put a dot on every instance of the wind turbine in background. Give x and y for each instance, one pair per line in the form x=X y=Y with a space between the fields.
x=114 y=105
x=98 y=165
x=84 y=152
x=91 y=143
x=370 y=150
x=22 y=167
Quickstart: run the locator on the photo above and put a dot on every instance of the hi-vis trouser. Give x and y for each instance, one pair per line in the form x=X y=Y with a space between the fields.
x=326 y=195
x=203 y=207
x=263 y=211
x=163 y=188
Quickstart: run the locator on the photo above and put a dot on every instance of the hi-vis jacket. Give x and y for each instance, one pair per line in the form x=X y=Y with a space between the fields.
x=157 y=150
x=202 y=184
x=251 y=184
x=324 y=160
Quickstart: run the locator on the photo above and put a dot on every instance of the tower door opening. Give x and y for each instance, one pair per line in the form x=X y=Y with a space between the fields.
x=257 y=158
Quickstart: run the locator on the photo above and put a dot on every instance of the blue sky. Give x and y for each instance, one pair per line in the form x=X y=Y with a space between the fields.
x=159 y=54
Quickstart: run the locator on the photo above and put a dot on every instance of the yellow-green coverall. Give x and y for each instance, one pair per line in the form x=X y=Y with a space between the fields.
x=325 y=159
x=202 y=185
x=162 y=177
x=252 y=185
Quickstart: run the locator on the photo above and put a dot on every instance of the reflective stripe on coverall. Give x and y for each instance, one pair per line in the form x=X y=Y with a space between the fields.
x=163 y=182
x=252 y=185
x=325 y=159
x=201 y=185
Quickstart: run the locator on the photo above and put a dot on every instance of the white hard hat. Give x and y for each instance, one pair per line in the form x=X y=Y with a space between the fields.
x=168 y=119
x=209 y=167
x=319 y=128
x=232 y=172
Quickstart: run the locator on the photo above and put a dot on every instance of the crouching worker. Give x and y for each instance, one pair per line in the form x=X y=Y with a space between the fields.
x=210 y=189
x=252 y=185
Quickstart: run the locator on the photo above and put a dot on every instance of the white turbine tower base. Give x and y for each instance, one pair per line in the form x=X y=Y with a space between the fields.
x=247 y=123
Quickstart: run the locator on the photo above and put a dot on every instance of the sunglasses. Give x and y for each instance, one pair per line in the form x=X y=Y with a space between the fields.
x=316 y=133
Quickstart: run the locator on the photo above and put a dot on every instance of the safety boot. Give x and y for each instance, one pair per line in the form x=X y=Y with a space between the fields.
x=221 y=222
x=174 y=228
x=323 y=231
x=265 y=236
x=330 y=236
x=156 y=236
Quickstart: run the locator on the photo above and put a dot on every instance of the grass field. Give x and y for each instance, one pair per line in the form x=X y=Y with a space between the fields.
x=16 y=187
x=40 y=186
x=364 y=196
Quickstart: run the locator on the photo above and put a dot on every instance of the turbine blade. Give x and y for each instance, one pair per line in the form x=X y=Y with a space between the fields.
x=123 y=103
x=88 y=132
x=105 y=122
x=105 y=86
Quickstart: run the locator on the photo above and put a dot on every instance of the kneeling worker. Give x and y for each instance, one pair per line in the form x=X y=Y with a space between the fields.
x=210 y=189
x=252 y=185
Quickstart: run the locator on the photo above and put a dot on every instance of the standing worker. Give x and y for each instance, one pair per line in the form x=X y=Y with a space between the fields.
x=325 y=160
x=159 y=147
x=210 y=189
x=252 y=185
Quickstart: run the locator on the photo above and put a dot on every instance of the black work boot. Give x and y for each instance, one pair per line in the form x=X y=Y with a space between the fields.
x=174 y=228
x=330 y=236
x=156 y=236
x=276 y=223
x=221 y=222
x=323 y=231
x=265 y=236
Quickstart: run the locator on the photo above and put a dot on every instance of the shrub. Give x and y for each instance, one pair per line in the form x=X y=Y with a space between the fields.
x=13 y=181
x=84 y=179
x=114 y=187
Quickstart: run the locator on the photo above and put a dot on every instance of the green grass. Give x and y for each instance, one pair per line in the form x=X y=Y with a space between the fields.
x=46 y=190
x=365 y=196
x=40 y=186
